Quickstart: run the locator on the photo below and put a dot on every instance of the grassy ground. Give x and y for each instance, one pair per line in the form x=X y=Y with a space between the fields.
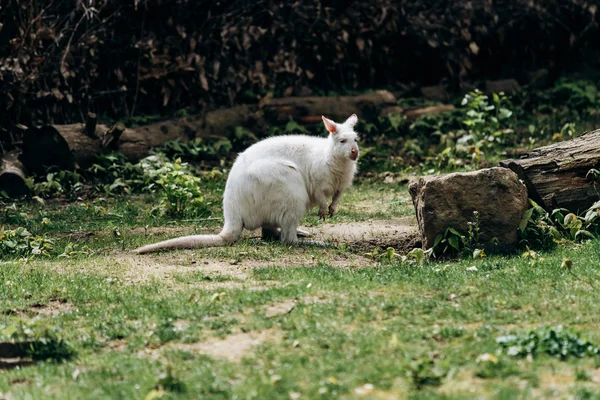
x=266 y=321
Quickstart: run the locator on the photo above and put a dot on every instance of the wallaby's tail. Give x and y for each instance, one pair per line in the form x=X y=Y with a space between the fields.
x=225 y=237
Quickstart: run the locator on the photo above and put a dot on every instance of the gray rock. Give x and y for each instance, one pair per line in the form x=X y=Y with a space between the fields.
x=448 y=201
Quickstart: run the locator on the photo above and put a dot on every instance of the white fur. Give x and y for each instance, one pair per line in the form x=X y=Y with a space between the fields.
x=277 y=180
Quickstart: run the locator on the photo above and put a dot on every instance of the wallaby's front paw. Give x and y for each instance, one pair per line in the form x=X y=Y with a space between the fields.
x=331 y=210
x=322 y=213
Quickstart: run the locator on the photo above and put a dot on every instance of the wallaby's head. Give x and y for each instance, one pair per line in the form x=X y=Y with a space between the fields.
x=343 y=136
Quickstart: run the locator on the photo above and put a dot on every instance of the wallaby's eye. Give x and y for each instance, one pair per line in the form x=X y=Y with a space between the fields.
x=343 y=141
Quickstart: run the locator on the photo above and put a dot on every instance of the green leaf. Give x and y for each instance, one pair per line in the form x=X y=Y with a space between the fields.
x=437 y=240
x=583 y=232
x=525 y=220
x=453 y=241
x=454 y=231
x=569 y=218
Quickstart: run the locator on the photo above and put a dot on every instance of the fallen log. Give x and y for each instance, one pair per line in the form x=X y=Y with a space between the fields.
x=73 y=146
x=413 y=113
x=12 y=176
x=63 y=146
x=77 y=145
x=309 y=109
x=556 y=176
x=136 y=143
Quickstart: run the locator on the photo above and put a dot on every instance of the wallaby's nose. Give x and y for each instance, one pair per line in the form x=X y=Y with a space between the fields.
x=354 y=153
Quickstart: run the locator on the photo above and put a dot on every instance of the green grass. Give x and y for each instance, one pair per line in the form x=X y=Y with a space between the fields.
x=147 y=326
x=262 y=320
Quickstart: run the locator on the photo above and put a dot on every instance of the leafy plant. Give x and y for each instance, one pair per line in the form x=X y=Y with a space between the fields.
x=451 y=241
x=485 y=126
x=537 y=228
x=576 y=94
x=425 y=371
x=559 y=342
x=180 y=190
x=20 y=242
x=55 y=183
x=198 y=149
x=386 y=257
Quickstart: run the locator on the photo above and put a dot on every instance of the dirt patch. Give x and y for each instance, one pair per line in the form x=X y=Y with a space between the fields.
x=399 y=233
x=286 y=306
x=304 y=258
x=465 y=384
x=136 y=269
x=314 y=300
x=554 y=384
x=52 y=308
x=280 y=308
x=236 y=266
x=233 y=347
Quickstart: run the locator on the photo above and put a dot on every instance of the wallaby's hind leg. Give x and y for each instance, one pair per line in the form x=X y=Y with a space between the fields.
x=268 y=233
x=302 y=233
x=288 y=232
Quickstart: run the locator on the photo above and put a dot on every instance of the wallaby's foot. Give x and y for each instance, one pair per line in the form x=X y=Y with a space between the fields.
x=322 y=213
x=272 y=234
x=331 y=210
x=319 y=243
x=302 y=233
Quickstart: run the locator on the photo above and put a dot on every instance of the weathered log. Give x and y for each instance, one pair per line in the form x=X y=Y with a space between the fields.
x=415 y=112
x=12 y=176
x=556 y=176
x=62 y=146
x=135 y=143
x=436 y=93
x=72 y=146
x=338 y=108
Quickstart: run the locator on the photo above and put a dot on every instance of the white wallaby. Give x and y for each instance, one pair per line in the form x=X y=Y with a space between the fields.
x=276 y=181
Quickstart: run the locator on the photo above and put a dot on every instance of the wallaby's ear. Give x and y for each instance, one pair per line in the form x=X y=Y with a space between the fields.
x=352 y=120
x=330 y=125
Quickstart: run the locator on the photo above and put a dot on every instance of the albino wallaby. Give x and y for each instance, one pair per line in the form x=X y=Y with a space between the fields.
x=276 y=181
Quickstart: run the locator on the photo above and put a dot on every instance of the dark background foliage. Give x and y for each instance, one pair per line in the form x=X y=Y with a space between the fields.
x=60 y=59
